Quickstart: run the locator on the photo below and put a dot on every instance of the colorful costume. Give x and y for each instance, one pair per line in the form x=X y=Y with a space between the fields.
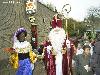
x=57 y=51
x=23 y=56
x=64 y=59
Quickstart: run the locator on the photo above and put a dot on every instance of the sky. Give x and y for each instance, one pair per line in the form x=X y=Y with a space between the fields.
x=78 y=7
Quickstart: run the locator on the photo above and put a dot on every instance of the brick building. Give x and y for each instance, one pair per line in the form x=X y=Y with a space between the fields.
x=13 y=16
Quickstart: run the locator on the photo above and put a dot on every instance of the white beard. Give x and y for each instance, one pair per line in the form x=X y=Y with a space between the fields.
x=57 y=38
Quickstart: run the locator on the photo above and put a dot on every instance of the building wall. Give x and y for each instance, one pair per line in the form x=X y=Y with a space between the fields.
x=13 y=16
x=43 y=13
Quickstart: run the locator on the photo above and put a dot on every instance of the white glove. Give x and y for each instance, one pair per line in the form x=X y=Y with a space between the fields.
x=68 y=43
x=87 y=68
x=73 y=63
x=32 y=66
x=49 y=48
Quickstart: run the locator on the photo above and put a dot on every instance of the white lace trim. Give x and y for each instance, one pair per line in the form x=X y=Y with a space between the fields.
x=22 y=47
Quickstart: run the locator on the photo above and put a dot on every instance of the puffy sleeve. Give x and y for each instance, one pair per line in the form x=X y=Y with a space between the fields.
x=13 y=59
x=33 y=56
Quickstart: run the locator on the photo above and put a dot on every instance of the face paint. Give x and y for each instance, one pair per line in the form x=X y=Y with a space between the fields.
x=21 y=37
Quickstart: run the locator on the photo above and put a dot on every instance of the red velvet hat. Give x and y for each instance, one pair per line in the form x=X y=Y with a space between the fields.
x=56 y=22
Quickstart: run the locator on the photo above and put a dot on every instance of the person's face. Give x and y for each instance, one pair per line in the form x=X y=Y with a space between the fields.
x=87 y=51
x=21 y=37
x=79 y=46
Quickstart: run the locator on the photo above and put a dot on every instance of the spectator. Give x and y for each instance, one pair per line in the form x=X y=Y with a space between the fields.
x=95 y=61
x=79 y=49
x=82 y=62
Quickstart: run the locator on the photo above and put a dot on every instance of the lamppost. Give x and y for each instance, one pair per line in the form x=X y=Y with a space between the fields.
x=65 y=11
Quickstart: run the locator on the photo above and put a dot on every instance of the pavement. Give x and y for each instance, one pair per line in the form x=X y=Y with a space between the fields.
x=6 y=69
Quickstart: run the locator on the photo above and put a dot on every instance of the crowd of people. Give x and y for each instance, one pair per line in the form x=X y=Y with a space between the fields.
x=75 y=57
x=61 y=56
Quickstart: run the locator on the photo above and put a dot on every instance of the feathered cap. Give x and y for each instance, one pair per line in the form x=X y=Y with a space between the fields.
x=18 y=32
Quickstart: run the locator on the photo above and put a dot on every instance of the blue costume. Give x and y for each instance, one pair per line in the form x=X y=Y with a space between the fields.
x=23 y=56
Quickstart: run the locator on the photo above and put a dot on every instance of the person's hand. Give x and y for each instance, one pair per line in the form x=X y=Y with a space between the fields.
x=40 y=56
x=9 y=50
x=54 y=52
x=73 y=63
x=63 y=51
x=87 y=68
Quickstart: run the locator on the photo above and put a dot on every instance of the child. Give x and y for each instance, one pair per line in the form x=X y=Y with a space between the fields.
x=83 y=62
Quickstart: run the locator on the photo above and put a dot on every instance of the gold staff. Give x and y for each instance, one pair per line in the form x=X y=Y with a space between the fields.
x=65 y=11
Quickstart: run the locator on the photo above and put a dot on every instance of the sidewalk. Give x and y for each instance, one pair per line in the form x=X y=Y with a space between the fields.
x=5 y=68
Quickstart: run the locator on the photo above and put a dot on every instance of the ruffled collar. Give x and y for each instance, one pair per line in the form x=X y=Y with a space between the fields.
x=22 y=47
x=21 y=44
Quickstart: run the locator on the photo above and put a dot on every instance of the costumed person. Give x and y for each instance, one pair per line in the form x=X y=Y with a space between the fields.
x=56 y=54
x=22 y=56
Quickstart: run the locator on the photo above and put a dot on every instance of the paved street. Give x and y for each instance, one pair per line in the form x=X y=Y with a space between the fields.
x=5 y=68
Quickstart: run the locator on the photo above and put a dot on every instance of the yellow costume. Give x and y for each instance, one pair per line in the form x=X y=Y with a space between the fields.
x=14 y=56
